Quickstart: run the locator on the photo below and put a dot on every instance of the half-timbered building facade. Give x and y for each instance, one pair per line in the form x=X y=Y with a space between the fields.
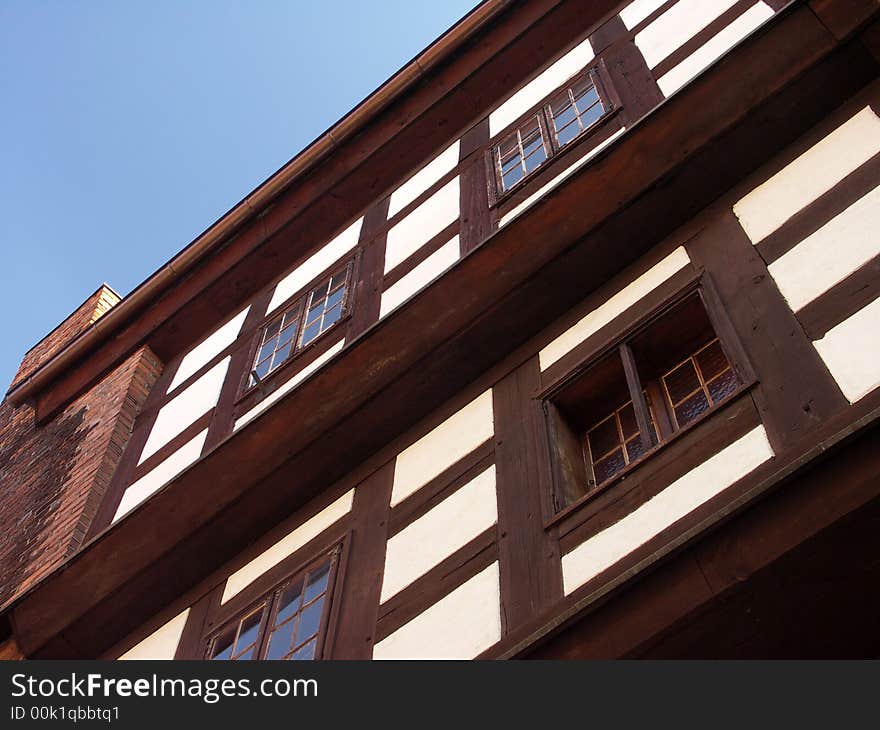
x=564 y=343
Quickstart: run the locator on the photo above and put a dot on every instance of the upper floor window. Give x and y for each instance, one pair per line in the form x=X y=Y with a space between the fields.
x=301 y=323
x=637 y=396
x=567 y=115
x=289 y=623
x=521 y=152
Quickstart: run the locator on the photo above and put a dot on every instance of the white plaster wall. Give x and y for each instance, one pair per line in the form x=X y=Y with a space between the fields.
x=637 y=11
x=422 y=224
x=209 y=348
x=714 y=48
x=457 y=436
x=851 y=350
x=613 y=306
x=178 y=413
x=676 y=26
x=831 y=253
x=315 y=264
x=680 y=498
x=423 y=179
x=460 y=625
x=536 y=89
x=438 y=533
x=286 y=387
x=544 y=189
x=162 y=643
x=163 y=473
x=421 y=275
x=815 y=172
x=287 y=545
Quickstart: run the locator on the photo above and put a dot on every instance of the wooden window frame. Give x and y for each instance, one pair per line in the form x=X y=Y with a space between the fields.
x=267 y=601
x=299 y=300
x=598 y=75
x=557 y=507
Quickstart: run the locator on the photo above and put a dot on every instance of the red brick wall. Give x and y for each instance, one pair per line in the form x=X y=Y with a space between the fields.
x=52 y=477
x=90 y=310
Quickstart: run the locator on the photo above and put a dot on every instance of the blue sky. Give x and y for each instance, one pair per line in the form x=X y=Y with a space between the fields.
x=129 y=127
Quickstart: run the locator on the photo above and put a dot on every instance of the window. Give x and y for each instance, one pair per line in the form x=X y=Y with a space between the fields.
x=567 y=115
x=301 y=324
x=521 y=152
x=658 y=381
x=288 y=624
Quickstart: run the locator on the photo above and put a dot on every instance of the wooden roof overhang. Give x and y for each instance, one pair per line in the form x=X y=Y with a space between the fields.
x=440 y=93
x=761 y=96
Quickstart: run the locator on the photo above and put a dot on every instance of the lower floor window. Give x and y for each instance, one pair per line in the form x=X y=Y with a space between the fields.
x=658 y=381
x=289 y=623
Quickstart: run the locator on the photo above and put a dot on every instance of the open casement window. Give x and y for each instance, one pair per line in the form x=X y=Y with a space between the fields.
x=302 y=323
x=290 y=623
x=634 y=398
x=568 y=113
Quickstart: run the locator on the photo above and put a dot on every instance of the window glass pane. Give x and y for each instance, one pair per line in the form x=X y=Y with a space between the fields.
x=287 y=334
x=689 y=409
x=263 y=368
x=311 y=332
x=335 y=297
x=222 y=648
x=291 y=316
x=536 y=159
x=533 y=145
x=512 y=163
x=289 y=602
x=635 y=448
x=320 y=291
x=280 y=640
x=247 y=654
x=249 y=628
x=682 y=381
x=314 y=312
x=281 y=355
x=509 y=146
x=604 y=438
x=272 y=329
x=310 y=620
x=532 y=127
x=591 y=115
x=628 y=423
x=609 y=466
x=317 y=583
x=567 y=134
x=511 y=178
x=266 y=350
x=564 y=116
x=331 y=318
x=584 y=89
x=305 y=652
x=723 y=386
x=711 y=360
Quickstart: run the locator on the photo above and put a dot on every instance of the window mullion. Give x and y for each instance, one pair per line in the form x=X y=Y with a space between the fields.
x=545 y=125
x=637 y=395
x=265 y=626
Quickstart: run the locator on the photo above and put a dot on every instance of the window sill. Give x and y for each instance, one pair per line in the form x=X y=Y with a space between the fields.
x=633 y=467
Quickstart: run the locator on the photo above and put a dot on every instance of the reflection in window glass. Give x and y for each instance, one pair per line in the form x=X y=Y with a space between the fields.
x=301 y=324
x=287 y=626
x=574 y=110
x=521 y=152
